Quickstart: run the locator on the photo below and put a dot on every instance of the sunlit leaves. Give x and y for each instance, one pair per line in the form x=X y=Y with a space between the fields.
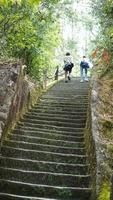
x=104 y=14
x=34 y=1
x=29 y=33
x=5 y=2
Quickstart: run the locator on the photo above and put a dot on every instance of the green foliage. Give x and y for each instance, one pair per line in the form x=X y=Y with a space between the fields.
x=104 y=193
x=6 y=2
x=71 y=45
x=29 y=30
x=103 y=11
x=107 y=124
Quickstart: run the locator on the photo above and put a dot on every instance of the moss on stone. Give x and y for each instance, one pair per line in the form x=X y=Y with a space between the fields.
x=107 y=124
x=104 y=193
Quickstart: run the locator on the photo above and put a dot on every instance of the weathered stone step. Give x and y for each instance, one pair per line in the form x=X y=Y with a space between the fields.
x=46 y=166
x=77 y=99
x=62 y=112
x=35 y=177
x=65 y=130
x=61 y=101
x=66 y=90
x=33 y=139
x=59 y=117
x=73 y=95
x=27 y=189
x=43 y=147
x=43 y=156
x=55 y=142
x=56 y=105
x=38 y=123
x=61 y=109
x=6 y=196
x=48 y=133
x=61 y=104
x=53 y=118
x=57 y=113
x=66 y=103
x=52 y=125
x=73 y=85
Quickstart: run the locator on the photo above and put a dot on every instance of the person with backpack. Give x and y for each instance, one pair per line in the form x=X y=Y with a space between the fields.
x=68 y=65
x=83 y=69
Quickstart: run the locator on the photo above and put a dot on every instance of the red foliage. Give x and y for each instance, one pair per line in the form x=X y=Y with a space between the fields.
x=94 y=53
x=105 y=56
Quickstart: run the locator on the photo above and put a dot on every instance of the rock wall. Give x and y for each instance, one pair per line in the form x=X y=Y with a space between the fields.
x=102 y=126
x=90 y=148
x=17 y=94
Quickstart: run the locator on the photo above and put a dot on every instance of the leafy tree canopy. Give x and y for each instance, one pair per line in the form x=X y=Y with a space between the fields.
x=103 y=13
x=29 y=30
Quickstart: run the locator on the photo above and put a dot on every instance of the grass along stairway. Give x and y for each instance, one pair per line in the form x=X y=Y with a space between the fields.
x=44 y=157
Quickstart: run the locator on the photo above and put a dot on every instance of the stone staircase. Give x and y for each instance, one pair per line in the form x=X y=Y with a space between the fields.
x=44 y=157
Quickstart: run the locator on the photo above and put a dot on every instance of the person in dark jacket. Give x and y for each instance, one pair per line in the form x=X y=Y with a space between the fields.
x=83 y=69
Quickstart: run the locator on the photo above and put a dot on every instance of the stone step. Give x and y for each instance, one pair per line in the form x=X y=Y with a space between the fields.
x=61 y=109
x=57 y=112
x=33 y=139
x=37 y=177
x=72 y=85
x=43 y=156
x=70 y=88
x=44 y=191
x=6 y=196
x=36 y=123
x=73 y=95
x=66 y=130
x=74 y=92
x=59 y=117
x=44 y=147
x=47 y=133
x=60 y=103
x=53 y=119
x=67 y=88
x=53 y=125
x=54 y=142
x=64 y=101
x=56 y=105
x=34 y=165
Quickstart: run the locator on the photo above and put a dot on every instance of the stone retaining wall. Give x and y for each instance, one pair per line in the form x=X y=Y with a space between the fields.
x=90 y=149
x=17 y=94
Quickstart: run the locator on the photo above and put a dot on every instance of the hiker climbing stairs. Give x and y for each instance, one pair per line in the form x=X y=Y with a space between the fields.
x=44 y=157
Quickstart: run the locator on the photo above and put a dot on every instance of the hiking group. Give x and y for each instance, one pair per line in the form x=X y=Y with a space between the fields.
x=68 y=65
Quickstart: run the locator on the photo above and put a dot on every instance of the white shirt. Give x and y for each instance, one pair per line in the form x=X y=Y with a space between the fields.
x=68 y=59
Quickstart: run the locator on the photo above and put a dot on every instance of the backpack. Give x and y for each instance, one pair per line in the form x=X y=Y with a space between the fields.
x=84 y=64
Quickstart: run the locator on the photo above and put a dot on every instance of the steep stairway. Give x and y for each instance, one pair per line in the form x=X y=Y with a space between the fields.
x=44 y=157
